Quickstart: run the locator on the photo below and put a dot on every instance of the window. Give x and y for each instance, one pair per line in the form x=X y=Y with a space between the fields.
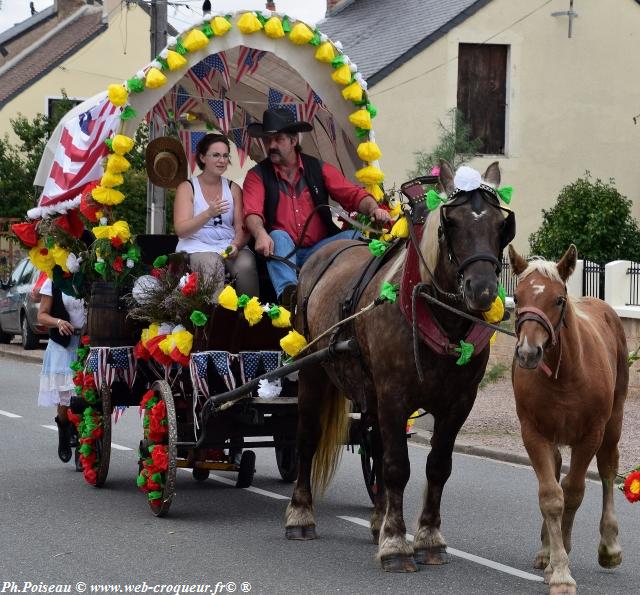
x=482 y=93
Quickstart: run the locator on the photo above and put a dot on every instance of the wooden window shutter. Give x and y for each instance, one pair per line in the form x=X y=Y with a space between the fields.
x=482 y=92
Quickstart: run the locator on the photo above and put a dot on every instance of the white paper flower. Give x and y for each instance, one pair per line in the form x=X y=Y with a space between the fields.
x=467 y=178
x=73 y=263
x=103 y=221
x=269 y=390
x=130 y=263
x=183 y=280
x=165 y=328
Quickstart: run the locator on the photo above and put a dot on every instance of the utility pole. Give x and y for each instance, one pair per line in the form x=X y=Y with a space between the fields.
x=157 y=197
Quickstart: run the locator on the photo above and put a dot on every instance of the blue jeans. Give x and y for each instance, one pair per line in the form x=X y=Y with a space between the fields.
x=281 y=274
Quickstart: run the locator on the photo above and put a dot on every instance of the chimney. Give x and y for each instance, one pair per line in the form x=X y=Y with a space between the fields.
x=335 y=6
x=270 y=5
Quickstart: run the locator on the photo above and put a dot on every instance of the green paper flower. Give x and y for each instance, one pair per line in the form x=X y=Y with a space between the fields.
x=85 y=449
x=160 y=261
x=157 y=477
x=505 y=193
x=243 y=300
x=362 y=133
x=261 y=18
x=100 y=268
x=163 y=63
x=180 y=48
x=198 y=318
x=378 y=247
x=502 y=294
x=135 y=85
x=315 y=40
x=141 y=480
x=373 y=111
x=466 y=352
x=389 y=292
x=109 y=143
x=433 y=199
x=155 y=495
x=274 y=312
x=286 y=24
x=207 y=30
x=338 y=61
x=128 y=113
x=132 y=253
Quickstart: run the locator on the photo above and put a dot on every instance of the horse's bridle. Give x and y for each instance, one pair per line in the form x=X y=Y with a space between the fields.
x=526 y=313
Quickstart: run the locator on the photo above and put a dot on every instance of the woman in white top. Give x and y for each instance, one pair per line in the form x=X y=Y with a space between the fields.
x=65 y=316
x=207 y=216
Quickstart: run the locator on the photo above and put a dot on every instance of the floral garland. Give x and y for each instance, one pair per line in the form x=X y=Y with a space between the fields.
x=630 y=485
x=89 y=424
x=153 y=475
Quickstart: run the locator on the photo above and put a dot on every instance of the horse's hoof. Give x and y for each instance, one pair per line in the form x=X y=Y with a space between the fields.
x=375 y=535
x=562 y=590
x=432 y=556
x=609 y=560
x=541 y=561
x=398 y=563
x=301 y=533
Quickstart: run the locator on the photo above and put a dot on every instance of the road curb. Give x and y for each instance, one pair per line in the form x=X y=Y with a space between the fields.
x=423 y=437
x=32 y=358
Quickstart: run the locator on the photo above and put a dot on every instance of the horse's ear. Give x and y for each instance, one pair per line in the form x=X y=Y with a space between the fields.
x=567 y=264
x=446 y=176
x=492 y=175
x=518 y=264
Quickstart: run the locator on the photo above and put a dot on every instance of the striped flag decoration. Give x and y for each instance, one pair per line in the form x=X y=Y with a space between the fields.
x=222 y=362
x=248 y=61
x=275 y=98
x=190 y=140
x=223 y=110
x=183 y=101
x=218 y=64
x=198 y=368
x=312 y=105
x=239 y=137
x=121 y=365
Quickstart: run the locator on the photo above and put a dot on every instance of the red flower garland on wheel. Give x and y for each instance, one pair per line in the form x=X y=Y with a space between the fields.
x=152 y=476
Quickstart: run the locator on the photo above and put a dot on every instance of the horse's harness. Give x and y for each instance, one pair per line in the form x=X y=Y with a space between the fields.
x=553 y=331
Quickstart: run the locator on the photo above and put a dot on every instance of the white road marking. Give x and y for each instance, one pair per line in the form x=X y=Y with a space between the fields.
x=460 y=554
x=7 y=414
x=113 y=444
x=231 y=482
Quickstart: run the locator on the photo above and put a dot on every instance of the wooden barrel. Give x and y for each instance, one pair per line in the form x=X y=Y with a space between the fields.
x=107 y=323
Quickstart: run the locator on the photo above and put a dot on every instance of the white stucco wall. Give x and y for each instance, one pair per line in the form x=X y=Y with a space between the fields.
x=570 y=107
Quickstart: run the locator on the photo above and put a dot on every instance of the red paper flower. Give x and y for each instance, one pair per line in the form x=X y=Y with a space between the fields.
x=116 y=242
x=71 y=223
x=90 y=476
x=78 y=379
x=118 y=264
x=632 y=486
x=89 y=382
x=85 y=339
x=88 y=206
x=160 y=457
x=157 y=431
x=26 y=233
x=140 y=351
x=146 y=398
x=191 y=286
x=157 y=273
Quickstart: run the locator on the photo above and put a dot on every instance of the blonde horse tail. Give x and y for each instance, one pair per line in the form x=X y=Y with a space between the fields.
x=334 y=426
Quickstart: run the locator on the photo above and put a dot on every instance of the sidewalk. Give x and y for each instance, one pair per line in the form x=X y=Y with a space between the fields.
x=15 y=351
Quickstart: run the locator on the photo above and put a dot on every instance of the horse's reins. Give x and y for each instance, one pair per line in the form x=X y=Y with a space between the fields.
x=537 y=315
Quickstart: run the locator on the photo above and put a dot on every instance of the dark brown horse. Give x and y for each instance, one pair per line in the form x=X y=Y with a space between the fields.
x=462 y=243
x=570 y=377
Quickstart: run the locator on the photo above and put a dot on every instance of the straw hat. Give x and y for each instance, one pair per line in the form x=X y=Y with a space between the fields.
x=166 y=162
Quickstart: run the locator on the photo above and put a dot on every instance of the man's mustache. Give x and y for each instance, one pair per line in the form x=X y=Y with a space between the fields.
x=274 y=152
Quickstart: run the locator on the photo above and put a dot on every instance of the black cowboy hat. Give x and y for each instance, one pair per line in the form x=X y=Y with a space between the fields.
x=275 y=121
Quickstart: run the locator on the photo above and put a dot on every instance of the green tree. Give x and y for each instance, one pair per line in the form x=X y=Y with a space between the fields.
x=595 y=217
x=454 y=145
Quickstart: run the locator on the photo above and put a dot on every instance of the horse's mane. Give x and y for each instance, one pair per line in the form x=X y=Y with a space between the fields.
x=429 y=244
x=544 y=267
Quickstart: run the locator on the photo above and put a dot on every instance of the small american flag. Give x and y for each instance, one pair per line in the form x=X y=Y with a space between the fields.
x=121 y=364
x=248 y=61
x=198 y=368
x=190 y=140
x=270 y=360
x=223 y=110
x=218 y=63
x=222 y=362
x=312 y=105
x=275 y=98
x=249 y=365
x=241 y=139
x=183 y=101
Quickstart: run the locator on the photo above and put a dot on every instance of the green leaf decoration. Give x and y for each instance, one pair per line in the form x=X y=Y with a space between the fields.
x=274 y=312
x=198 y=318
x=133 y=253
x=209 y=126
x=171 y=114
x=338 y=61
x=466 y=352
x=378 y=247
x=109 y=142
x=135 y=85
x=141 y=480
x=157 y=477
x=261 y=18
x=361 y=132
x=180 y=48
x=155 y=495
x=100 y=268
x=160 y=261
x=389 y=292
x=502 y=294
x=243 y=300
x=315 y=40
x=433 y=199
x=286 y=24
x=163 y=63
x=207 y=30
x=372 y=109
x=128 y=113
x=505 y=193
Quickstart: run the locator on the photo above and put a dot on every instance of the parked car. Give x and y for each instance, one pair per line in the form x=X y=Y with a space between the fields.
x=18 y=310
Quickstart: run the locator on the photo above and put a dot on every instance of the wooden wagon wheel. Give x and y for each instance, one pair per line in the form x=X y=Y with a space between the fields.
x=103 y=446
x=163 y=391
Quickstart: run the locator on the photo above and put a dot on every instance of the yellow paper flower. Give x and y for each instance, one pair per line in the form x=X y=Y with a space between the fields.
x=195 y=40
x=175 y=60
x=342 y=75
x=249 y=23
x=495 y=313
x=292 y=343
x=60 y=255
x=122 y=144
x=167 y=344
x=273 y=28
x=375 y=191
x=253 y=311
x=117 y=164
x=369 y=151
x=118 y=95
x=325 y=52
x=400 y=228
x=107 y=196
x=395 y=211
x=109 y=180
x=228 y=298
x=183 y=340
x=220 y=26
x=284 y=320
x=42 y=258
x=370 y=175
x=300 y=34
x=154 y=79
x=353 y=92
x=361 y=118
x=151 y=332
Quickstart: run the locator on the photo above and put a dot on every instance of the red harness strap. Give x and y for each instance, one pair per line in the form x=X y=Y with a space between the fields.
x=431 y=332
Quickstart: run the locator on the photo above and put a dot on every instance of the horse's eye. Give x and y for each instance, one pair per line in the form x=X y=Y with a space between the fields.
x=560 y=300
x=515 y=299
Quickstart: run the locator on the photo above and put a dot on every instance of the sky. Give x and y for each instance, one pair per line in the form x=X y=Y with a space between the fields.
x=311 y=11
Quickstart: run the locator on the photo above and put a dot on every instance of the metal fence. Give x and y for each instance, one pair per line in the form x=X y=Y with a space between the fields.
x=593 y=279
x=507 y=278
x=634 y=284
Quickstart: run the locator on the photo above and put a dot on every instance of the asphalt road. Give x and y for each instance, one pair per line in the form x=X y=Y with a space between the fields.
x=55 y=529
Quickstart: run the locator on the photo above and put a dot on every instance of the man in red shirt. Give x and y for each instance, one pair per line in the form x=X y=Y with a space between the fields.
x=283 y=199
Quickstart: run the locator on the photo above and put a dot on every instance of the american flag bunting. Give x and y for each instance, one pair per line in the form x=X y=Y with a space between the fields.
x=248 y=61
x=223 y=110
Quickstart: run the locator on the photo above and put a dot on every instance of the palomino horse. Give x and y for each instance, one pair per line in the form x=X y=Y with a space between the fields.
x=461 y=245
x=570 y=377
